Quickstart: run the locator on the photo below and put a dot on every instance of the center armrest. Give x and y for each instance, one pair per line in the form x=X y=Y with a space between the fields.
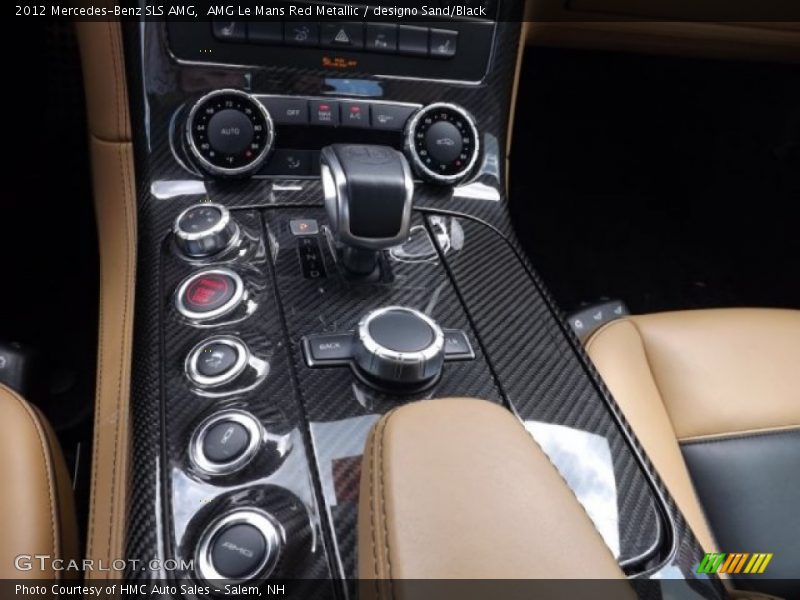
x=458 y=489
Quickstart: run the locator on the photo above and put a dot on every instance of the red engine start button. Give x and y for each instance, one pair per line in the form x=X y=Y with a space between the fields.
x=209 y=293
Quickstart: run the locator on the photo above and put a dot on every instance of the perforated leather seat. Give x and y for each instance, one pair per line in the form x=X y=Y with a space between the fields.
x=37 y=514
x=714 y=398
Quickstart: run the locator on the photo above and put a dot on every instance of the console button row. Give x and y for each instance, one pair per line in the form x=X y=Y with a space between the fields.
x=372 y=37
x=332 y=113
x=336 y=349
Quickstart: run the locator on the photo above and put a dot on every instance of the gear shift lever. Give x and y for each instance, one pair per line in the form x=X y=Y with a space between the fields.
x=368 y=193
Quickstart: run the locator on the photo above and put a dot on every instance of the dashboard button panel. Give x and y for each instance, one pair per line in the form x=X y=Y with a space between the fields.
x=420 y=49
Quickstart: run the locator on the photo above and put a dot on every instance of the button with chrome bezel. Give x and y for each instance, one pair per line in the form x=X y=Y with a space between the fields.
x=225 y=442
x=244 y=545
x=205 y=229
x=217 y=361
x=209 y=294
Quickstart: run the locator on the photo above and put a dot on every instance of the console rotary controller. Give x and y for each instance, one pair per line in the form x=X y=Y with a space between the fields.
x=229 y=132
x=442 y=142
x=399 y=345
x=204 y=230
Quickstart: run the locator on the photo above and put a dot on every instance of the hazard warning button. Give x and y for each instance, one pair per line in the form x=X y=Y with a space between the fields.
x=342 y=35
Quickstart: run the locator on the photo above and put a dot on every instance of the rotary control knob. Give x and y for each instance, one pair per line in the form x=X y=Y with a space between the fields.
x=204 y=230
x=442 y=143
x=399 y=345
x=229 y=132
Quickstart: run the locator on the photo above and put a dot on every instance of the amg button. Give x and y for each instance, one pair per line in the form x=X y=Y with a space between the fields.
x=238 y=551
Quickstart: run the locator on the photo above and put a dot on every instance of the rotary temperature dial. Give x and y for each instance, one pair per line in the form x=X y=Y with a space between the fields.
x=229 y=132
x=442 y=141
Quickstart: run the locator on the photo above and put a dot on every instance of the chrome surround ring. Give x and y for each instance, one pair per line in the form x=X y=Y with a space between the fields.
x=265 y=523
x=260 y=157
x=373 y=347
x=233 y=301
x=416 y=160
x=242 y=358
x=225 y=222
x=201 y=462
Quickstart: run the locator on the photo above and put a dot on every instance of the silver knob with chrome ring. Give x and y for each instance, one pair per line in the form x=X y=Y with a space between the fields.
x=399 y=345
x=204 y=230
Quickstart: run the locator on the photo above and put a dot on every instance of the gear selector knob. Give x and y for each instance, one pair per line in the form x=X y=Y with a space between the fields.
x=368 y=195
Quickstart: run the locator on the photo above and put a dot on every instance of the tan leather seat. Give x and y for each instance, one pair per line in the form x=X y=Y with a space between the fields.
x=37 y=515
x=457 y=489
x=708 y=381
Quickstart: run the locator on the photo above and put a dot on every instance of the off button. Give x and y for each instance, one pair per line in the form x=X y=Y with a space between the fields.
x=209 y=294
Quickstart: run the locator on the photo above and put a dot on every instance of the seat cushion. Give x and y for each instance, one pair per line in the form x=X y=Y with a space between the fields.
x=704 y=387
x=37 y=515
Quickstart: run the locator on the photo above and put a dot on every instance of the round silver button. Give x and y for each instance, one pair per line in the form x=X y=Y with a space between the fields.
x=209 y=294
x=225 y=442
x=216 y=361
x=204 y=230
x=242 y=546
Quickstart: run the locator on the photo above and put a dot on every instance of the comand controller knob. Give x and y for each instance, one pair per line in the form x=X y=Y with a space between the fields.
x=229 y=132
x=442 y=143
x=204 y=230
x=399 y=345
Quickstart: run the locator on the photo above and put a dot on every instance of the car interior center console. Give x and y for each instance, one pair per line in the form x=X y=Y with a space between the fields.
x=324 y=236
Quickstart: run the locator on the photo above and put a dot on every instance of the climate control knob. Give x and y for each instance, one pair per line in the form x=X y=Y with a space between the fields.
x=442 y=143
x=229 y=132
x=399 y=345
x=204 y=230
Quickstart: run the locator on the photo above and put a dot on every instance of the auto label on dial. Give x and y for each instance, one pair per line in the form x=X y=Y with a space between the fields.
x=229 y=132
